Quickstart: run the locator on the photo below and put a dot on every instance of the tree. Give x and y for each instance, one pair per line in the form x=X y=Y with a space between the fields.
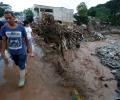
x=92 y=12
x=82 y=14
x=1 y=12
x=110 y=11
x=103 y=13
x=114 y=6
x=28 y=15
x=82 y=9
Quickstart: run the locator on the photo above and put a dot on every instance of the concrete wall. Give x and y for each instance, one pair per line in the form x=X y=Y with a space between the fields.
x=59 y=13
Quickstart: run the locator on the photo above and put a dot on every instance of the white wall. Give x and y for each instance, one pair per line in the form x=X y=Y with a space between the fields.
x=59 y=13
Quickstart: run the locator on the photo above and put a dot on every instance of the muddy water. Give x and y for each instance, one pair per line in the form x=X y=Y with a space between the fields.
x=42 y=82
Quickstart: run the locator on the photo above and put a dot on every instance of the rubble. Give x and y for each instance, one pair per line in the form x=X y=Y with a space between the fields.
x=97 y=35
x=110 y=55
x=115 y=31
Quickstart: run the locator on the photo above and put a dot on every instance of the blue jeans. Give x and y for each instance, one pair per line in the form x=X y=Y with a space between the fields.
x=19 y=60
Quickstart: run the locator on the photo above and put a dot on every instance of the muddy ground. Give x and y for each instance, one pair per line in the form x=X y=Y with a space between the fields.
x=86 y=74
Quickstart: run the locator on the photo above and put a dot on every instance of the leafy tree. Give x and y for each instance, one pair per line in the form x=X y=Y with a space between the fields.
x=114 y=6
x=1 y=12
x=92 y=12
x=17 y=13
x=28 y=15
x=109 y=11
x=103 y=13
x=82 y=9
x=80 y=20
x=81 y=15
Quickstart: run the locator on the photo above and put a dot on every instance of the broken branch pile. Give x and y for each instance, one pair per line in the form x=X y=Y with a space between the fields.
x=61 y=36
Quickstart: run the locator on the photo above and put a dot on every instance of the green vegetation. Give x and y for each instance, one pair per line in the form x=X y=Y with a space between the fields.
x=81 y=16
x=99 y=12
x=1 y=12
x=28 y=15
x=108 y=12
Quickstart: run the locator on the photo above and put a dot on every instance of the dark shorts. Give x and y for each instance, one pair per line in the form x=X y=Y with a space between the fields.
x=19 y=60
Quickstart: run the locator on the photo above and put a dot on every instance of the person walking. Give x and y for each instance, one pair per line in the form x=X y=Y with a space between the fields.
x=29 y=36
x=14 y=37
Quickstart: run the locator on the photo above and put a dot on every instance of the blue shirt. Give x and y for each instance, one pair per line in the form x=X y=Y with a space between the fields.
x=15 y=36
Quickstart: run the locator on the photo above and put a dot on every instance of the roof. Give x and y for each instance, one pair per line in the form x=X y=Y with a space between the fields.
x=51 y=6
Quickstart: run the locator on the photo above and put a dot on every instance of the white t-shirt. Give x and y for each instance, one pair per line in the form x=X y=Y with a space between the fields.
x=29 y=32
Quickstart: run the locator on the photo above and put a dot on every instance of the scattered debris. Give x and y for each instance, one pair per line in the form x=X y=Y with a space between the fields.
x=110 y=55
x=76 y=95
x=97 y=35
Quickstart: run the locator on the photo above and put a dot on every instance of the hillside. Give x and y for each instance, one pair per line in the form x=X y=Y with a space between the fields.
x=110 y=12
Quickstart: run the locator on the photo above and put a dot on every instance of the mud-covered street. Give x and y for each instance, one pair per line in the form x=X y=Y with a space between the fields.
x=43 y=83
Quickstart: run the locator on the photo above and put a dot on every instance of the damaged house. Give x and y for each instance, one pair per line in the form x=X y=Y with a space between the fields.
x=60 y=14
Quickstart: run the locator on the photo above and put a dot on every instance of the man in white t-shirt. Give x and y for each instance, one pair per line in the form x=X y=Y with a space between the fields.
x=29 y=36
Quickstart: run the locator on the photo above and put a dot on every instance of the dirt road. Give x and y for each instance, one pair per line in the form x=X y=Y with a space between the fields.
x=43 y=82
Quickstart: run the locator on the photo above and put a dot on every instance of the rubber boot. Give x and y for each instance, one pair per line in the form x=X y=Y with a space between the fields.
x=22 y=78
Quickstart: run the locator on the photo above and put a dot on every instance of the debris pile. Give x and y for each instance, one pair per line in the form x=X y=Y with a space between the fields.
x=110 y=55
x=59 y=34
x=97 y=36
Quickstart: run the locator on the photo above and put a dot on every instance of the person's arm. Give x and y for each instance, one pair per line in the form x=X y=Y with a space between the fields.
x=25 y=38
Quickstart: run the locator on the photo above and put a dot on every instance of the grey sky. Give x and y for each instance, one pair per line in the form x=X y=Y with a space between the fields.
x=19 y=5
